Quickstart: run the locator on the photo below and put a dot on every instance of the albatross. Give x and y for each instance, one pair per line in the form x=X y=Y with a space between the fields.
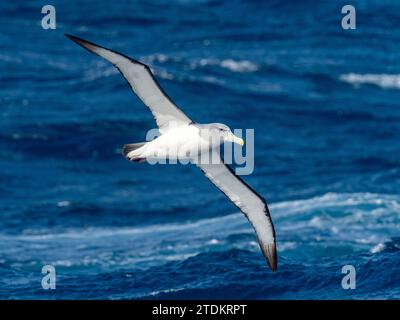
x=180 y=137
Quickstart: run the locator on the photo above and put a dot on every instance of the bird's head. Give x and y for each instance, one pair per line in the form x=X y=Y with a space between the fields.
x=222 y=133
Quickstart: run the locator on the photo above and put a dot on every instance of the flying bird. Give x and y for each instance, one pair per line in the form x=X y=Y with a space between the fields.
x=181 y=138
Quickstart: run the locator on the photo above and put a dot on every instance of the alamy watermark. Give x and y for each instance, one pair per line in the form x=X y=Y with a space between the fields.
x=349 y=280
x=349 y=20
x=203 y=149
x=49 y=20
x=49 y=280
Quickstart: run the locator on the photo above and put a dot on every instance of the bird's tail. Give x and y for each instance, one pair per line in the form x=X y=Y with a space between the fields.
x=128 y=148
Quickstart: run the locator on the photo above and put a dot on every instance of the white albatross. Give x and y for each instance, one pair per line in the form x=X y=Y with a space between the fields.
x=181 y=137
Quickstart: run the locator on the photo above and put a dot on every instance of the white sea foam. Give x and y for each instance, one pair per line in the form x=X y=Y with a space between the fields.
x=239 y=66
x=212 y=241
x=280 y=211
x=63 y=203
x=155 y=293
x=160 y=58
x=157 y=61
x=101 y=69
x=348 y=221
x=230 y=64
x=387 y=81
x=378 y=248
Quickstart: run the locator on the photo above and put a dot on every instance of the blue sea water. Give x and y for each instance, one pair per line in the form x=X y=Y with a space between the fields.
x=324 y=103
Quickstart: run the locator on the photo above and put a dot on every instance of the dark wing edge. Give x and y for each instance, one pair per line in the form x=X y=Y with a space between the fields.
x=178 y=114
x=260 y=219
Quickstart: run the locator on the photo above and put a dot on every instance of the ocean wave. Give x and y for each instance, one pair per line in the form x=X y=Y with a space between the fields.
x=229 y=64
x=102 y=69
x=333 y=199
x=327 y=225
x=378 y=248
x=386 y=81
x=379 y=205
x=159 y=58
x=8 y=58
x=171 y=290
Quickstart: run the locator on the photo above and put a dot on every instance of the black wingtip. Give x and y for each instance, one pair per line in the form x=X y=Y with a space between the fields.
x=75 y=39
x=89 y=46
x=92 y=47
x=70 y=36
x=131 y=147
x=270 y=254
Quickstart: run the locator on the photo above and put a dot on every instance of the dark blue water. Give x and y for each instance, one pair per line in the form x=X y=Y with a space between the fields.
x=324 y=103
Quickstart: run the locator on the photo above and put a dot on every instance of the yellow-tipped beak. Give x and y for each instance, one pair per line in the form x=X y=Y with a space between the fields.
x=237 y=140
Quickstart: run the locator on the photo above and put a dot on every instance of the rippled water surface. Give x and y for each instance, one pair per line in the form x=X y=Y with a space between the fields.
x=324 y=103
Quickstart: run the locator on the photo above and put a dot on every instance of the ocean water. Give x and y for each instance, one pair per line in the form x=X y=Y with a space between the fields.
x=324 y=103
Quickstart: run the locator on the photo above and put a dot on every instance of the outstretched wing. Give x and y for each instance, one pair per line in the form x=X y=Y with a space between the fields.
x=249 y=202
x=143 y=84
